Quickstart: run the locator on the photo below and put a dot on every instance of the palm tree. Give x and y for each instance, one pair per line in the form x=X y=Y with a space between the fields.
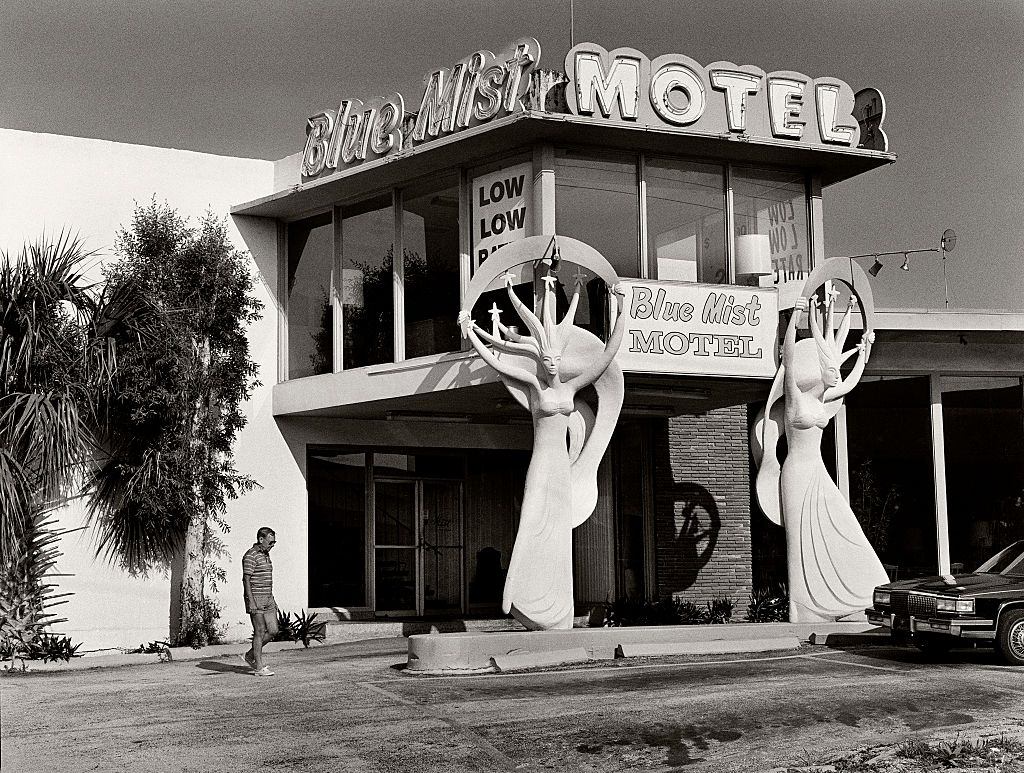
x=57 y=365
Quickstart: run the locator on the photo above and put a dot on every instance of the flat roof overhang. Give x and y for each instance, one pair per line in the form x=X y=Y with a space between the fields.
x=521 y=130
x=460 y=387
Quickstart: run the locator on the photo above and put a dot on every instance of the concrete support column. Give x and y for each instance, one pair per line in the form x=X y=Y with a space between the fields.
x=398 y=278
x=337 y=284
x=939 y=468
x=543 y=190
x=817 y=255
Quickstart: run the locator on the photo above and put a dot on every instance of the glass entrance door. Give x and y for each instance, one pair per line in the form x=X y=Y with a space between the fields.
x=441 y=546
x=417 y=547
x=396 y=552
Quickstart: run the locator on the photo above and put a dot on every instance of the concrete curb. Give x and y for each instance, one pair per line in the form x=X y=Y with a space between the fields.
x=519 y=660
x=467 y=652
x=135 y=659
x=874 y=638
x=713 y=647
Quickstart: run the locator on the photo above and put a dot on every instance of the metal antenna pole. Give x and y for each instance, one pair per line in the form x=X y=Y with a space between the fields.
x=945 y=283
x=572 y=25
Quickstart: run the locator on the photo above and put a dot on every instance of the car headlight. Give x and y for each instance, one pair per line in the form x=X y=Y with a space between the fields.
x=964 y=606
x=881 y=597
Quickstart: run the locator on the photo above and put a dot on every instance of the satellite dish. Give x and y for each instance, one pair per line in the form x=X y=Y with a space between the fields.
x=948 y=240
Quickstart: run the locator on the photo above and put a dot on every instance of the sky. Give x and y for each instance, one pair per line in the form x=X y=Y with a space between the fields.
x=240 y=78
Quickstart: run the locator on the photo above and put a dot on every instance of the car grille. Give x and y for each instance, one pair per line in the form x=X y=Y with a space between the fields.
x=914 y=604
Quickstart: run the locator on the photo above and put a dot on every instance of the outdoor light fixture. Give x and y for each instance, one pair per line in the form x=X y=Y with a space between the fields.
x=946 y=244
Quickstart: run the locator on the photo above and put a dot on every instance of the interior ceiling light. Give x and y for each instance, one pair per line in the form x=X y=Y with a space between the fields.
x=875 y=267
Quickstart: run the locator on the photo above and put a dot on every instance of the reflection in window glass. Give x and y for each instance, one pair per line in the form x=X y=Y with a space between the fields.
x=431 y=235
x=770 y=213
x=310 y=319
x=367 y=288
x=597 y=201
x=686 y=220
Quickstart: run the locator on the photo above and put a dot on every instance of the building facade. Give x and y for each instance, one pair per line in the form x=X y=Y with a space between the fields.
x=392 y=461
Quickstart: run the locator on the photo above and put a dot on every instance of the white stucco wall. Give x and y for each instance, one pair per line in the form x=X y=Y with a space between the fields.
x=50 y=182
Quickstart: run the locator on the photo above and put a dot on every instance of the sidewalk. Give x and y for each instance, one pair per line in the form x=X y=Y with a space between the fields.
x=700 y=639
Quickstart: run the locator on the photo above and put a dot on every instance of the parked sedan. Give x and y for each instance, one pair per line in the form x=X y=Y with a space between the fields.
x=934 y=612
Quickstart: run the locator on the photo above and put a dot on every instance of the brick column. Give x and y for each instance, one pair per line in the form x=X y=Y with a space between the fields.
x=702 y=506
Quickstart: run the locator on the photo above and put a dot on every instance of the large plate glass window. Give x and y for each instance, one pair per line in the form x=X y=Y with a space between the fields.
x=597 y=200
x=337 y=529
x=686 y=231
x=367 y=286
x=983 y=425
x=310 y=318
x=430 y=223
x=770 y=223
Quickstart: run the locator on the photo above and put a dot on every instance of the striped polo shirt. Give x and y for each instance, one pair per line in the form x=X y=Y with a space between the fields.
x=257 y=566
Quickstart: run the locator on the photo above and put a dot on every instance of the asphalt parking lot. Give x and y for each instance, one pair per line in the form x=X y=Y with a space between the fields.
x=349 y=707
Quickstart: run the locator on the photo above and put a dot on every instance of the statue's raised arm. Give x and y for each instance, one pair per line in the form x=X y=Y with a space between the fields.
x=600 y=364
x=469 y=330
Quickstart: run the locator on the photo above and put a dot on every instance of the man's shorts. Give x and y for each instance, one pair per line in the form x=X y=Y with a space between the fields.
x=265 y=616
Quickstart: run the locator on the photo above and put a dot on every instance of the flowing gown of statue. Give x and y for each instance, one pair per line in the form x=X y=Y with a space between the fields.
x=539 y=588
x=832 y=566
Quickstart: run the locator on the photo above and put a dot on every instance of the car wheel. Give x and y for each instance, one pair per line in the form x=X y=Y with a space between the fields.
x=1010 y=637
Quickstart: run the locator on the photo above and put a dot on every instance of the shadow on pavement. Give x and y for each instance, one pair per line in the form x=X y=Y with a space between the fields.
x=223 y=668
x=909 y=654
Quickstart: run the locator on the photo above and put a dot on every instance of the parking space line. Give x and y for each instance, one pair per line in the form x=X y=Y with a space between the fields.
x=822 y=656
x=468 y=733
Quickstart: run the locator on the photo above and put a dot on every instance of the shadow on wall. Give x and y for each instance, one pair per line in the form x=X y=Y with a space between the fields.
x=696 y=523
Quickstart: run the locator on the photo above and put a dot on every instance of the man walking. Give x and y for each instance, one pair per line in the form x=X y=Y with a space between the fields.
x=258 y=582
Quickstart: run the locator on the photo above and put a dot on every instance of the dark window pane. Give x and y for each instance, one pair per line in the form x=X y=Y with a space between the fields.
x=337 y=530
x=983 y=425
x=431 y=236
x=395 y=512
x=686 y=220
x=310 y=319
x=367 y=287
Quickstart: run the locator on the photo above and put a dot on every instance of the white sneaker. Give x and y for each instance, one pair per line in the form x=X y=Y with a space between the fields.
x=263 y=672
x=248 y=658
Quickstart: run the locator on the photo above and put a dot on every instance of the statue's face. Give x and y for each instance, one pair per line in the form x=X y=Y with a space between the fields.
x=551 y=361
x=829 y=369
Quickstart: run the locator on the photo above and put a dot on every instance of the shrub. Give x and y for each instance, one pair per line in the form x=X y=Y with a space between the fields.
x=202 y=629
x=304 y=628
x=52 y=647
x=666 y=611
x=720 y=610
x=769 y=605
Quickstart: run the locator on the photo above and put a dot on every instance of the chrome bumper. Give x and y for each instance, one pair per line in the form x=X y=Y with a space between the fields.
x=973 y=628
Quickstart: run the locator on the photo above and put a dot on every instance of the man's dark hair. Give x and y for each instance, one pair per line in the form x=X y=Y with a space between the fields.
x=263 y=532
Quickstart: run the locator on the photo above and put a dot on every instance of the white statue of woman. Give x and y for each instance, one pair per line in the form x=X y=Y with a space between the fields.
x=832 y=567
x=538 y=586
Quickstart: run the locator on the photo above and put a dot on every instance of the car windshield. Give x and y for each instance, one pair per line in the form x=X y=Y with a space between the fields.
x=1009 y=562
